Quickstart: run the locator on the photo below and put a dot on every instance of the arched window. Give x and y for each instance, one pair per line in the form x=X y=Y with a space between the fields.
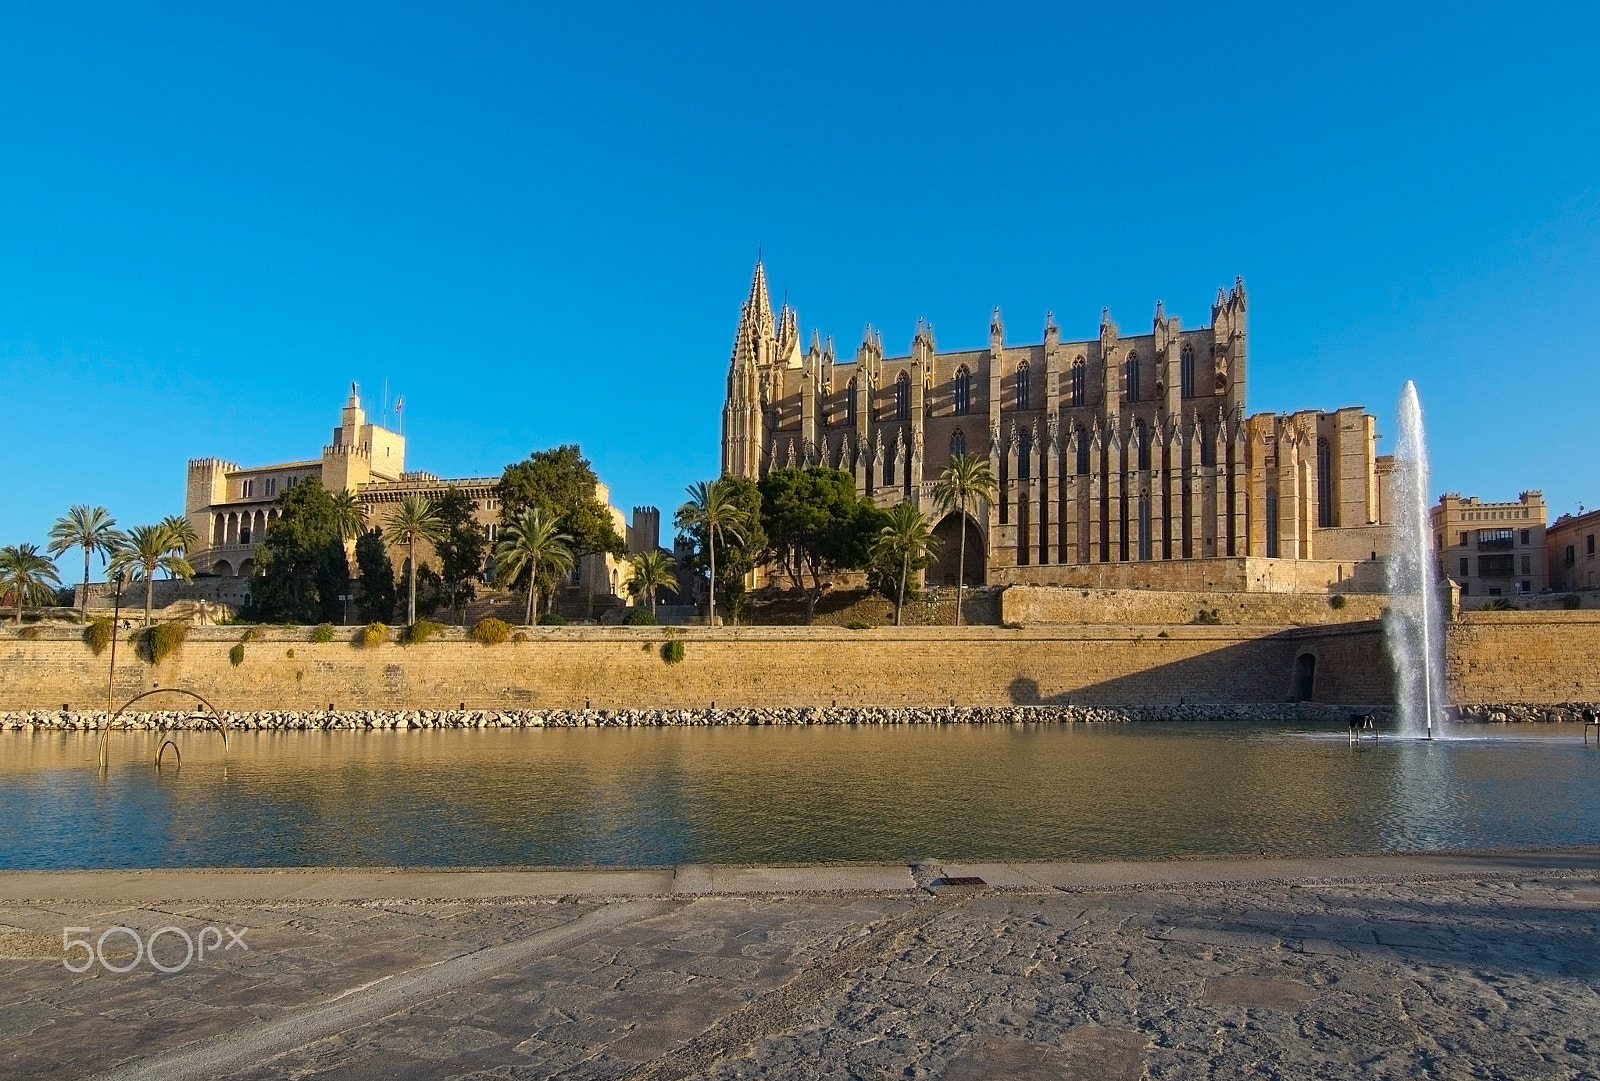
x=1208 y=453
x=1082 y=439
x=1024 y=453
x=850 y=404
x=958 y=443
x=1324 y=484
x=1131 y=377
x=1272 y=522
x=1022 y=385
x=1077 y=382
x=902 y=399
x=1186 y=372
x=1141 y=437
x=963 y=391
x=1146 y=549
x=888 y=468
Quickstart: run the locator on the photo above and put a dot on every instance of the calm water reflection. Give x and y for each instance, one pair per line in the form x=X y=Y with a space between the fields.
x=785 y=795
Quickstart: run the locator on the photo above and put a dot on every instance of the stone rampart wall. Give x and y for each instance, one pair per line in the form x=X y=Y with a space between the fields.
x=1518 y=657
x=1031 y=604
x=1247 y=574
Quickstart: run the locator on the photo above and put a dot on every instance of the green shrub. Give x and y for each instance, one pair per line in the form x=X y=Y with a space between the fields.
x=1571 y=601
x=640 y=617
x=32 y=633
x=255 y=633
x=1337 y=601
x=236 y=655
x=672 y=651
x=289 y=653
x=519 y=637
x=163 y=639
x=490 y=631
x=1163 y=634
x=420 y=631
x=98 y=634
x=1500 y=604
x=373 y=634
x=858 y=625
x=1208 y=619
x=552 y=619
x=1012 y=625
x=644 y=647
x=322 y=632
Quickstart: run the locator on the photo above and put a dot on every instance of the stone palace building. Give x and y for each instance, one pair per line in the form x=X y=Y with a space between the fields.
x=1122 y=460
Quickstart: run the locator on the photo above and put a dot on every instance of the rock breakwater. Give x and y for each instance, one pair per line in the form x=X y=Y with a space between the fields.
x=389 y=720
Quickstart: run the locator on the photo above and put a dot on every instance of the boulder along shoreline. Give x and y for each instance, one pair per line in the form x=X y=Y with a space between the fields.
x=390 y=720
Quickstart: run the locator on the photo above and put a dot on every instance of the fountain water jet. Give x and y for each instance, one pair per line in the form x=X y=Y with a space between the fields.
x=1414 y=629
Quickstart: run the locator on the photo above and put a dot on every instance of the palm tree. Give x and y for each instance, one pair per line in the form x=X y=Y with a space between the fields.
x=90 y=528
x=349 y=516
x=532 y=545
x=651 y=571
x=965 y=481
x=905 y=540
x=145 y=550
x=184 y=539
x=416 y=520
x=29 y=577
x=711 y=509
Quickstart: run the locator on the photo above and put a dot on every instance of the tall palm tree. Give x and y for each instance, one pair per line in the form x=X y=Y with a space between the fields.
x=651 y=571
x=184 y=538
x=906 y=540
x=712 y=510
x=349 y=516
x=90 y=528
x=964 y=482
x=29 y=577
x=531 y=543
x=416 y=520
x=145 y=550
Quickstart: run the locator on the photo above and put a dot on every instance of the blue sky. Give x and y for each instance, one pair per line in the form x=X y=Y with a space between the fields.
x=538 y=224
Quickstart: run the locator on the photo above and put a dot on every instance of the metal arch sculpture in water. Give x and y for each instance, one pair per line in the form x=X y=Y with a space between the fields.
x=105 y=733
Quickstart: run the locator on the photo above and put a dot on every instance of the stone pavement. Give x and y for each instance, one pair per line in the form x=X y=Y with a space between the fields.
x=1381 y=967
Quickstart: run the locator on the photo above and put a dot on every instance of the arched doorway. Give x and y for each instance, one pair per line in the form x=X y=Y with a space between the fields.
x=1305 y=678
x=944 y=569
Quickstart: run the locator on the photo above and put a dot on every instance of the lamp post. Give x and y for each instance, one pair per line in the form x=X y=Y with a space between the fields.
x=116 y=617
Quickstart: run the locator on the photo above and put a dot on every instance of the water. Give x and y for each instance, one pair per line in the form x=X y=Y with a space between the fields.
x=1414 y=628
x=786 y=795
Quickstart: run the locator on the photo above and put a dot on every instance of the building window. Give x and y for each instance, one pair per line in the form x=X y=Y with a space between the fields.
x=1208 y=452
x=1495 y=566
x=1523 y=536
x=1186 y=372
x=963 y=391
x=1131 y=377
x=1024 y=454
x=1495 y=539
x=1464 y=572
x=902 y=399
x=1022 y=385
x=1589 y=544
x=1324 y=484
x=850 y=404
x=1082 y=438
x=1526 y=586
x=1527 y=564
x=1077 y=382
x=1272 y=522
x=958 y=443
x=1141 y=442
x=1572 y=556
x=1463 y=540
x=1145 y=547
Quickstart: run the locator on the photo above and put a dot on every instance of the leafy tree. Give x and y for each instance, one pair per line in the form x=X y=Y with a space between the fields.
x=29 y=577
x=416 y=520
x=145 y=550
x=378 y=596
x=301 y=568
x=815 y=524
x=965 y=482
x=532 y=550
x=903 y=545
x=713 y=515
x=90 y=528
x=461 y=550
x=349 y=516
x=561 y=483
x=651 y=572
x=736 y=555
x=184 y=538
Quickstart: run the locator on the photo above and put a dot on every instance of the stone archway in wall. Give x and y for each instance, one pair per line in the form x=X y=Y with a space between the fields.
x=247 y=568
x=948 y=532
x=222 y=567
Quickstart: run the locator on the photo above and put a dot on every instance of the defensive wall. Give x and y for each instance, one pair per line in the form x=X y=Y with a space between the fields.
x=1031 y=604
x=1527 y=657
